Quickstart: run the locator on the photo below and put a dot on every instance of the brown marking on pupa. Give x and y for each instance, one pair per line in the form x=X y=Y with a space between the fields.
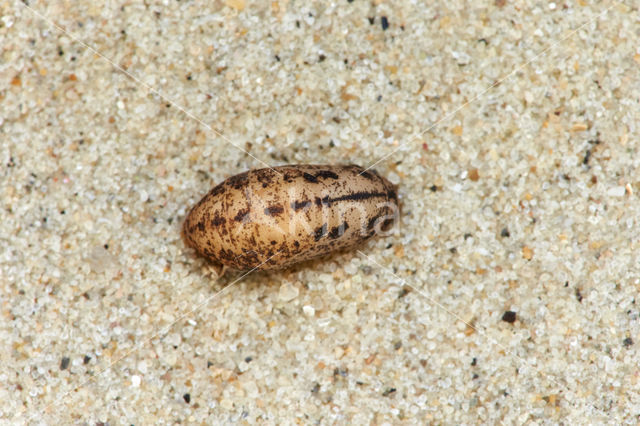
x=218 y=220
x=242 y=215
x=372 y=223
x=300 y=205
x=324 y=201
x=238 y=181
x=387 y=224
x=273 y=210
x=338 y=231
x=217 y=190
x=368 y=175
x=320 y=232
x=327 y=174
x=309 y=178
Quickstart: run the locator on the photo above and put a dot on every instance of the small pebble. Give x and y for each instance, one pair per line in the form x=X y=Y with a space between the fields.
x=135 y=381
x=287 y=292
x=64 y=363
x=617 y=191
x=385 y=23
x=388 y=392
x=509 y=317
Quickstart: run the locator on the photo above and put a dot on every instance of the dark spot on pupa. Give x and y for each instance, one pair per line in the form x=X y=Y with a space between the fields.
x=238 y=181
x=387 y=224
x=218 y=220
x=324 y=201
x=309 y=178
x=242 y=216
x=320 y=232
x=265 y=177
x=326 y=174
x=201 y=226
x=273 y=242
x=299 y=205
x=290 y=175
x=219 y=189
x=296 y=243
x=368 y=175
x=226 y=254
x=273 y=210
x=250 y=258
x=338 y=231
x=355 y=196
x=372 y=223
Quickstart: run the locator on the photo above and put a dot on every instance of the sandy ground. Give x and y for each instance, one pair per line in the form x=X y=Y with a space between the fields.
x=508 y=294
